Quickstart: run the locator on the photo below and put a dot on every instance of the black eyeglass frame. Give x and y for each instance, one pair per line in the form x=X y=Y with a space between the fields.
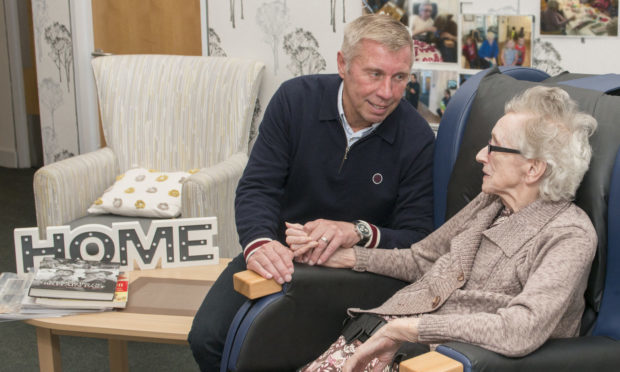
x=492 y=148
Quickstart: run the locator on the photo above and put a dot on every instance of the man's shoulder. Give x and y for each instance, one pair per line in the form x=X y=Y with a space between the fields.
x=309 y=82
x=411 y=124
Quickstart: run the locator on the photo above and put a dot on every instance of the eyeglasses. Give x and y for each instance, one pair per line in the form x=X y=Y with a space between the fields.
x=502 y=149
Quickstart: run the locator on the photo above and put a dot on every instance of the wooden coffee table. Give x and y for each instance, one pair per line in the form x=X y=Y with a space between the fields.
x=136 y=323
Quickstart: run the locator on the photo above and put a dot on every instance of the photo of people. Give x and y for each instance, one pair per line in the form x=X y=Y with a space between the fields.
x=433 y=25
x=492 y=40
x=434 y=30
x=436 y=87
x=579 y=17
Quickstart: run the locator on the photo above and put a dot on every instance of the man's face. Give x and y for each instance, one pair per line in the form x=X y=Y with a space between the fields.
x=374 y=82
x=425 y=11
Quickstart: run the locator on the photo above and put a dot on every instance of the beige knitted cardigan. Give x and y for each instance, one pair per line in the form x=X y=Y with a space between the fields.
x=507 y=289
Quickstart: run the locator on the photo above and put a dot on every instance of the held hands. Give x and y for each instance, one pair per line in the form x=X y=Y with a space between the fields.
x=317 y=240
x=383 y=344
x=272 y=260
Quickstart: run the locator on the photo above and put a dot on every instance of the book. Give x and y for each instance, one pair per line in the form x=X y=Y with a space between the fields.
x=119 y=301
x=75 y=279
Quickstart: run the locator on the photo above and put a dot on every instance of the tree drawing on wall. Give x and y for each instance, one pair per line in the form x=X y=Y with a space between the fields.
x=215 y=46
x=332 y=18
x=272 y=19
x=39 y=20
x=232 y=11
x=545 y=57
x=59 y=39
x=303 y=47
x=51 y=94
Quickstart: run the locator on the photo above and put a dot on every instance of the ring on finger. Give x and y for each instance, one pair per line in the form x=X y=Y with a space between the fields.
x=324 y=239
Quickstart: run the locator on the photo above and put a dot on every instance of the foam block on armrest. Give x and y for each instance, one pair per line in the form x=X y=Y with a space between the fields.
x=252 y=285
x=431 y=362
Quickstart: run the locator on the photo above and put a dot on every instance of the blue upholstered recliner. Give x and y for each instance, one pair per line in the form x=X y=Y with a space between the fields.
x=287 y=329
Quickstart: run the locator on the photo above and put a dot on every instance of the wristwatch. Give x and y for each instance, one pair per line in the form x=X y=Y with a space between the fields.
x=363 y=231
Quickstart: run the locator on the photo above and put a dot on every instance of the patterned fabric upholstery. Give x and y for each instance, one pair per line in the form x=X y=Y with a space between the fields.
x=169 y=113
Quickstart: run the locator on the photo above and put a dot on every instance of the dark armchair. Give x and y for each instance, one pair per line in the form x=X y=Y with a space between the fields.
x=292 y=327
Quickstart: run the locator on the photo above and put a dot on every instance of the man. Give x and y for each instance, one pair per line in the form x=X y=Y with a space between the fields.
x=332 y=149
x=412 y=92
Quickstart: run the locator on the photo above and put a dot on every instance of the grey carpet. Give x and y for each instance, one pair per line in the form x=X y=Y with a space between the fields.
x=18 y=346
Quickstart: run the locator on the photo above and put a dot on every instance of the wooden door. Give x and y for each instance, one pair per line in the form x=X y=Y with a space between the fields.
x=147 y=27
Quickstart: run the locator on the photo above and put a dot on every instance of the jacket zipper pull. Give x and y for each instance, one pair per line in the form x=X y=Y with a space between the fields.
x=346 y=153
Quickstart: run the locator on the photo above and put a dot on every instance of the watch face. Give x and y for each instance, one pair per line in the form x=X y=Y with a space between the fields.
x=363 y=229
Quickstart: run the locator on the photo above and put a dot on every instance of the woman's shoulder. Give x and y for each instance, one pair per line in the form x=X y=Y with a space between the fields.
x=573 y=217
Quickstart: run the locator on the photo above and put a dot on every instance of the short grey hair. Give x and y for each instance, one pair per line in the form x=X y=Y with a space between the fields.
x=376 y=27
x=557 y=133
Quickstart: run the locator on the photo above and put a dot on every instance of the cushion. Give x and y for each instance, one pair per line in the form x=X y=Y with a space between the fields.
x=142 y=192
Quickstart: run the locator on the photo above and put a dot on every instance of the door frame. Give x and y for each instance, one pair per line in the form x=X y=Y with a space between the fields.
x=85 y=90
x=20 y=118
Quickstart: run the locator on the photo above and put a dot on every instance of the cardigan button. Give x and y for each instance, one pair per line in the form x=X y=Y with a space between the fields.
x=436 y=301
x=461 y=277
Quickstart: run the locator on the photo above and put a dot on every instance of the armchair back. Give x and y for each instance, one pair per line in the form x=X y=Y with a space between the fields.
x=171 y=112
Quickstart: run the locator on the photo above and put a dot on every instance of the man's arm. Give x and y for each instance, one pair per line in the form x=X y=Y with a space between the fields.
x=257 y=201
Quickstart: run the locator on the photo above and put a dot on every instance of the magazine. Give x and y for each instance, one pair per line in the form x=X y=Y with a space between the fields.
x=75 y=279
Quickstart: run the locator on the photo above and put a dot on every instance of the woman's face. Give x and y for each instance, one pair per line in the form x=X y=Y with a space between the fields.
x=503 y=173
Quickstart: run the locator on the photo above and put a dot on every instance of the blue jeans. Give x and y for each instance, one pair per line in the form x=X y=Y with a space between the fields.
x=211 y=322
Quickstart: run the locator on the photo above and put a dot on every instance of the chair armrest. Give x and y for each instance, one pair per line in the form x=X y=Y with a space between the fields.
x=64 y=190
x=588 y=353
x=308 y=316
x=430 y=362
x=254 y=286
x=211 y=192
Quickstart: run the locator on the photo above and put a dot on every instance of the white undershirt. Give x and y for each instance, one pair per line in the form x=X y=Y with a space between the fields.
x=352 y=136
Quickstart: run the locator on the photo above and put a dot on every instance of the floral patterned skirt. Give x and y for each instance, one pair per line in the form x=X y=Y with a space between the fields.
x=333 y=359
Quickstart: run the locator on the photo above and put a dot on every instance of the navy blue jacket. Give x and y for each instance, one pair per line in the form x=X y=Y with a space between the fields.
x=297 y=171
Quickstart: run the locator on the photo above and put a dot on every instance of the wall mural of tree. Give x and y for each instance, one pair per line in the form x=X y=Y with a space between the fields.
x=272 y=18
x=215 y=44
x=545 y=57
x=332 y=17
x=50 y=95
x=303 y=48
x=232 y=11
x=40 y=19
x=58 y=37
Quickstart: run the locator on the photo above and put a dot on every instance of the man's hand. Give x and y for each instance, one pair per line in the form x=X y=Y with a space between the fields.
x=321 y=238
x=272 y=260
x=383 y=344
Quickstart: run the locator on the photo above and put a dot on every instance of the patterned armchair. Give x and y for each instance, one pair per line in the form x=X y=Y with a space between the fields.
x=169 y=113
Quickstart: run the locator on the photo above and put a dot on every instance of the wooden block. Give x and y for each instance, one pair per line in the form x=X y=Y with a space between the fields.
x=252 y=285
x=431 y=362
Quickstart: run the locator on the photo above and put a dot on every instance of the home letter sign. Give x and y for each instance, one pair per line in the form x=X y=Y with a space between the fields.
x=176 y=242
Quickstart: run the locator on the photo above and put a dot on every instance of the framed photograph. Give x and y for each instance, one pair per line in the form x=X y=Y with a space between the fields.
x=436 y=87
x=433 y=25
x=583 y=18
x=496 y=40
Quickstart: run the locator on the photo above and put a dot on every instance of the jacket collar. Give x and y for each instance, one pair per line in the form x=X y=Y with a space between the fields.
x=519 y=228
x=329 y=111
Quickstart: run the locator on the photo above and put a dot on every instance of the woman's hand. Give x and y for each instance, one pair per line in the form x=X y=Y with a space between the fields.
x=383 y=344
x=344 y=258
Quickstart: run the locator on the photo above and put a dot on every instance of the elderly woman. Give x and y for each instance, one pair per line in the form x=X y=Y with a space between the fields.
x=509 y=270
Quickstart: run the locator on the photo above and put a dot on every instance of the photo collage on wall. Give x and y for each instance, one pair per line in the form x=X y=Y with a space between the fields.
x=450 y=47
